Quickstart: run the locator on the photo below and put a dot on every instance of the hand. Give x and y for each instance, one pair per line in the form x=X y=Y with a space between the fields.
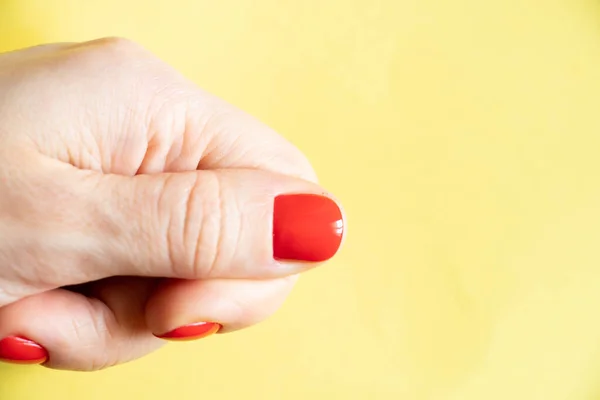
x=134 y=205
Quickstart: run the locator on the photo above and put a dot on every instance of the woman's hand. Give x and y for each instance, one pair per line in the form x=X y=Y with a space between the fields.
x=165 y=211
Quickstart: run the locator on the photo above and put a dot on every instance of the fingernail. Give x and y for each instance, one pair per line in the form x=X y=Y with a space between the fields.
x=306 y=227
x=194 y=331
x=18 y=350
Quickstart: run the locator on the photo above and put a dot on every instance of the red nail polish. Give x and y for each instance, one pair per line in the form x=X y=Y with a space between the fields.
x=306 y=227
x=195 y=331
x=18 y=350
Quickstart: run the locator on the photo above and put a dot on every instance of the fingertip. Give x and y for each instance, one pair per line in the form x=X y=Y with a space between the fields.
x=193 y=331
x=306 y=227
x=183 y=310
x=22 y=351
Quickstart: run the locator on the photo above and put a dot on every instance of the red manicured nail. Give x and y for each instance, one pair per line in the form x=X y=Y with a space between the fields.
x=18 y=350
x=195 y=331
x=306 y=227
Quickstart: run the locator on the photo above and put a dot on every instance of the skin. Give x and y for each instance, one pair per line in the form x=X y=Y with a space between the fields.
x=132 y=203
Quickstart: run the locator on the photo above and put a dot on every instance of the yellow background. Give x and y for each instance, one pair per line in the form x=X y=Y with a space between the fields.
x=462 y=137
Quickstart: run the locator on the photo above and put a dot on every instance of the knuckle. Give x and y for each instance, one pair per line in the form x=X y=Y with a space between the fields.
x=191 y=228
x=208 y=227
x=166 y=216
x=103 y=56
x=86 y=340
x=210 y=230
x=114 y=45
x=95 y=330
x=230 y=228
x=243 y=312
x=250 y=311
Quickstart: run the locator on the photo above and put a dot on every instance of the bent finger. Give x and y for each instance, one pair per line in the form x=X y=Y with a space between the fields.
x=65 y=330
x=189 y=310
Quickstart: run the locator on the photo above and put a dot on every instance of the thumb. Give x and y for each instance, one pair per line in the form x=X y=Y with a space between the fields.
x=214 y=224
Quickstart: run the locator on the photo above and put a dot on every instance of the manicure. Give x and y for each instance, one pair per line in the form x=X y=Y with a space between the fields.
x=306 y=227
x=18 y=350
x=194 y=331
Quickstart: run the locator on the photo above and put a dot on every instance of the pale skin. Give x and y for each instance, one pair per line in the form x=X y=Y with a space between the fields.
x=116 y=170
